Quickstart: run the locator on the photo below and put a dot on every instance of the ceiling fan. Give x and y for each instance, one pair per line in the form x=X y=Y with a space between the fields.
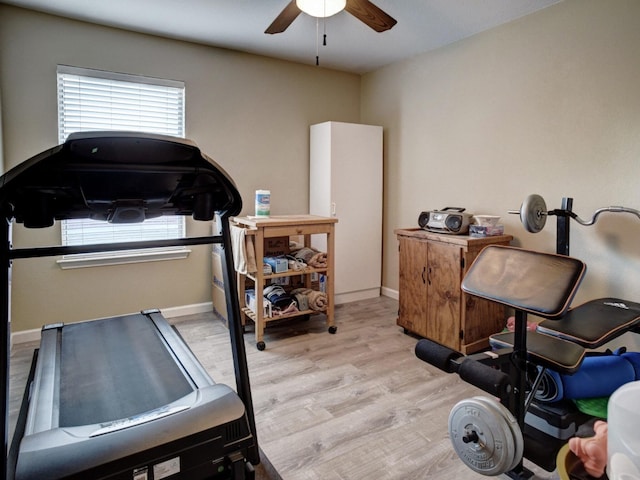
x=363 y=10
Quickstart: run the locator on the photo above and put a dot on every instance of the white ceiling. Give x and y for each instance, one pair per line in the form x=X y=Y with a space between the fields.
x=423 y=25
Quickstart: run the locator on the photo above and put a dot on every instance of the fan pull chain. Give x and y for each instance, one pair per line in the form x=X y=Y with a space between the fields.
x=324 y=24
x=324 y=33
x=317 y=41
x=324 y=27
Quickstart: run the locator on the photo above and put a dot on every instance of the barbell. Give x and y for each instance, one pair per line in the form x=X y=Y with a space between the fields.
x=533 y=213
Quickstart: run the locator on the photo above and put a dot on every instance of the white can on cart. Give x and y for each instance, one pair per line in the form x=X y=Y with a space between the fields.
x=263 y=203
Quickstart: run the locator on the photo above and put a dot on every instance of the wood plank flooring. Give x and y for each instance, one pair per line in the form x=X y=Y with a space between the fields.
x=351 y=406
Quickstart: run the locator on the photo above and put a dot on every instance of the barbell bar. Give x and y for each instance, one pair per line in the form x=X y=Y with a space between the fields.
x=533 y=213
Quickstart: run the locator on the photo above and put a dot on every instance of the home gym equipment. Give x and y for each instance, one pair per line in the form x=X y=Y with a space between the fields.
x=124 y=397
x=533 y=215
x=75 y=425
x=486 y=437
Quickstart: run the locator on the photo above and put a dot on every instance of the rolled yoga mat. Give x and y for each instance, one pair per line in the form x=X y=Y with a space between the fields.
x=598 y=376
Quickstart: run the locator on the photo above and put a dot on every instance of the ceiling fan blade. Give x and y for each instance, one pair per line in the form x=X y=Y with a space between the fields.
x=286 y=17
x=367 y=12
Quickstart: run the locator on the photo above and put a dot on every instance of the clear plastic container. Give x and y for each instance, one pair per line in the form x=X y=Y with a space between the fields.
x=623 y=441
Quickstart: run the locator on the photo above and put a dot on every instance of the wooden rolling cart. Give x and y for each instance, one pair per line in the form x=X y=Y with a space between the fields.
x=286 y=226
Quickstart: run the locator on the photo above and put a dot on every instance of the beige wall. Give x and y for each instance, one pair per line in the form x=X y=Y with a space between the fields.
x=548 y=104
x=249 y=113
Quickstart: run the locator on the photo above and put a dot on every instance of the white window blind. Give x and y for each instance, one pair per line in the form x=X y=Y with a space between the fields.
x=86 y=232
x=98 y=100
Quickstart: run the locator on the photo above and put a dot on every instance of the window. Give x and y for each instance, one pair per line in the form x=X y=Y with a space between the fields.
x=98 y=100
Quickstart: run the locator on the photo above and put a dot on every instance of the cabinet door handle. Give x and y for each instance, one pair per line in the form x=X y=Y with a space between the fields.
x=429 y=276
x=424 y=280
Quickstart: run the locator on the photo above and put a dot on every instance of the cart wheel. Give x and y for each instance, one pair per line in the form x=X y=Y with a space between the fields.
x=261 y=346
x=333 y=329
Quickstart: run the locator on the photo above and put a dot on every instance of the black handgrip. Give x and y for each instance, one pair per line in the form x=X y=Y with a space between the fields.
x=437 y=355
x=487 y=378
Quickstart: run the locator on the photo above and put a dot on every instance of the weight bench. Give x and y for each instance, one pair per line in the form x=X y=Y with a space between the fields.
x=596 y=322
x=488 y=437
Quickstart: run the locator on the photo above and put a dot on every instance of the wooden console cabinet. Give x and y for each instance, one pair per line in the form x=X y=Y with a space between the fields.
x=431 y=302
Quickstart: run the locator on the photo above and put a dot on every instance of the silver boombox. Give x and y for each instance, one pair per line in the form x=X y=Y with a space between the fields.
x=448 y=220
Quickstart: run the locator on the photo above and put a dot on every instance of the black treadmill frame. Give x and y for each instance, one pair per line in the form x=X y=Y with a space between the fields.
x=233 y=206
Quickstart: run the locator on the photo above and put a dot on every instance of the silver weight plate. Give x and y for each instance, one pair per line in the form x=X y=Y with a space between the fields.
x=533 y=213
x=510 y=420
x=483 y=435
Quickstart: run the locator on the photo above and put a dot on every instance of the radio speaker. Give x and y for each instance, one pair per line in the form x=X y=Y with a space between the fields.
x=423 y=219
x=453 y=222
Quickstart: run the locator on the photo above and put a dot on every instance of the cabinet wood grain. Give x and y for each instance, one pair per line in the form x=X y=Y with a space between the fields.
x=431 y=302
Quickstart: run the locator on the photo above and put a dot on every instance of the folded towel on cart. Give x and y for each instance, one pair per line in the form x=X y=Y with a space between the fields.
x=244 y=255
x=301 y=301
x=316 y=300
x=311 y=256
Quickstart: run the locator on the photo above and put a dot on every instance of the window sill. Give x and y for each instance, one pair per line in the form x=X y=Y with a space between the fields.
x=120 y=258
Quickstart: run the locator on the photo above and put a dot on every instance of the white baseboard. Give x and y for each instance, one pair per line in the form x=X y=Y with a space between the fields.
x=25 y=336
x=341 y=298
x=387 y=292
x=172 y=312
x=365 y=295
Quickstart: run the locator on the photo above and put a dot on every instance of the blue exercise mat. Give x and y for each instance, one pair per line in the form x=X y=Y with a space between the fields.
x=598 y=376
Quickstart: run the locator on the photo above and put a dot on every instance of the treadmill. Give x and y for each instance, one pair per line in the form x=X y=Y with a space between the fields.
x=124 y=397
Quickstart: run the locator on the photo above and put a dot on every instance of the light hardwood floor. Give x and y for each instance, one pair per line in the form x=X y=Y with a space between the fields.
x=351 y=406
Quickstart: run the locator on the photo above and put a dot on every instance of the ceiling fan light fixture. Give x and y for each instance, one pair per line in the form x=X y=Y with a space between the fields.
x=321 y=8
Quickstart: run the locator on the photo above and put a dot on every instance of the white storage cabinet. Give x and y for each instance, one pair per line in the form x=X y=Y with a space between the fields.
x=345 y=181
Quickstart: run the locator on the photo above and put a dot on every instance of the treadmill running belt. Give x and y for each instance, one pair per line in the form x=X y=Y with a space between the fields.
x=115 y=368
